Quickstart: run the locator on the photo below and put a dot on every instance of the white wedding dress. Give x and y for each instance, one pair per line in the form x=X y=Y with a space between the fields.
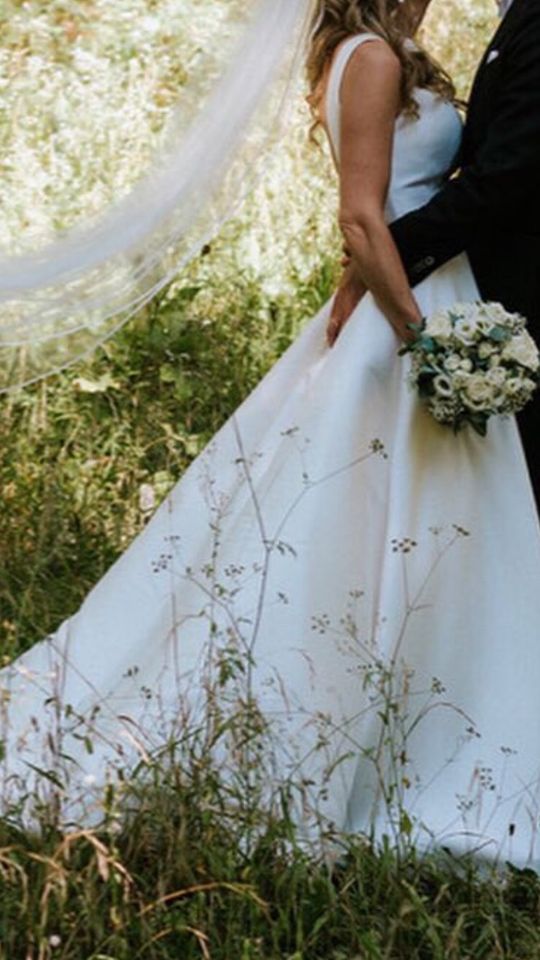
x=351 y=560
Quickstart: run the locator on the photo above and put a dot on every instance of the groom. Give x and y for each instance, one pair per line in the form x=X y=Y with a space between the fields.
x=491 y=209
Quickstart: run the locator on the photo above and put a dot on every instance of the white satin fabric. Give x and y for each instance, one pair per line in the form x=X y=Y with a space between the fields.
x=329 y=558
x=504 y=6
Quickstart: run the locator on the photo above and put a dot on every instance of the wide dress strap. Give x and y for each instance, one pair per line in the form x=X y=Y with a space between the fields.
x=333 y=89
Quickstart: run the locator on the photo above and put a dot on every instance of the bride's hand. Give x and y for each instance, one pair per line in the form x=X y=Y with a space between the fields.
x=348 y=296
x=346 y=256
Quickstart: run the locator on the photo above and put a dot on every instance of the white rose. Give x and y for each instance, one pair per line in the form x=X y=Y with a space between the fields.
x=479 y=392
x=496 y=376
x=485 y=321
x=460 y=378
x=485 y=350
x=522 y=349
x=465 y=311
x=485 y=326
x=466 y=365
x=452 y=362
x=439 y=326
x=496 y=313
x=466 y=330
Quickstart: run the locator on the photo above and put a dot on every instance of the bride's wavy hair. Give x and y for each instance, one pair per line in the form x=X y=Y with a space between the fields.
x=335 y=20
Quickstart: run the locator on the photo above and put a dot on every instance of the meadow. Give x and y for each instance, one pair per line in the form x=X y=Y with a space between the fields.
x=87 y=456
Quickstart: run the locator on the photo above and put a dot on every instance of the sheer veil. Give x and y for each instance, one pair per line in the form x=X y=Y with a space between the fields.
x=60 y=301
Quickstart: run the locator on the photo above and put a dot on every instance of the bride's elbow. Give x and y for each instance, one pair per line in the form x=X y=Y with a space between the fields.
x=359 y=227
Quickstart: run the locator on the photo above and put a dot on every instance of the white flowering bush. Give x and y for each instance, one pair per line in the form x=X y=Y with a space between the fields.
x=86 y=92
x=86 y=96
x=473 y=361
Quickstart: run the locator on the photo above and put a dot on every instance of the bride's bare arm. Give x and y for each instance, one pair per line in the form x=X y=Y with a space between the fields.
x=370 y=103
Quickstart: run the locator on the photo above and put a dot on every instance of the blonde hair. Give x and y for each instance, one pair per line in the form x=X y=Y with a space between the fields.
x=335 y=20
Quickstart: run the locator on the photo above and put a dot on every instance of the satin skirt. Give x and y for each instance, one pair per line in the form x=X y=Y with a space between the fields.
x=371 y=580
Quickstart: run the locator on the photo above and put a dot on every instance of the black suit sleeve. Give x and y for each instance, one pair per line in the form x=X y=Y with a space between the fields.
x=501 y=188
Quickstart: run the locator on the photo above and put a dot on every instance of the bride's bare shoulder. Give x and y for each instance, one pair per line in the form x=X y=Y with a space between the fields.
x=373 y=56
x=372 y=71
x=372 y=53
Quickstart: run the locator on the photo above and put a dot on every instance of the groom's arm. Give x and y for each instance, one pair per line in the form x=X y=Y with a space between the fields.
x=502 y=187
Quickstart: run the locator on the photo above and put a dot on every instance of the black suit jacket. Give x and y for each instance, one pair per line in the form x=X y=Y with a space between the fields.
x=491 y=209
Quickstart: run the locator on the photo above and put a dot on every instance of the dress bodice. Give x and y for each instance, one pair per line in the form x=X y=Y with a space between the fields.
x=425 y=147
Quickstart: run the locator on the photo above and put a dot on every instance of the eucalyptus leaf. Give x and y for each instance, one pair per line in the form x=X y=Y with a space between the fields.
x=427 y=343
x=499 y=334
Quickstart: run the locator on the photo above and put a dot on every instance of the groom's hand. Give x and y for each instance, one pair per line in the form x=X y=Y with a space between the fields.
x=348 y=296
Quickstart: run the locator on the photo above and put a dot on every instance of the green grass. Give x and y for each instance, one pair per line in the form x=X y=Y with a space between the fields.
x=182 y=880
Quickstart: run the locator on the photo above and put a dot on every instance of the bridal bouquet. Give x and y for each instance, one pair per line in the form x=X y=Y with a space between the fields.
x=472 y=361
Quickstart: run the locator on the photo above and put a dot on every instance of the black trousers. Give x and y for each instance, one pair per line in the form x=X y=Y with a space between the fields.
x=506 y=270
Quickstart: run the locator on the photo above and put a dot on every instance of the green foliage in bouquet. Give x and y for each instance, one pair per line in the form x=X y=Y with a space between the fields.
x=471 y=362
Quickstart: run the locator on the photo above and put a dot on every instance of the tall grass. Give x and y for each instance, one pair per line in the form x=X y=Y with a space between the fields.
x=176 y=880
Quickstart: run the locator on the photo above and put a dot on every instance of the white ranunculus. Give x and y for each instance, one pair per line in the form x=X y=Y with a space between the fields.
x=443 y=385
x=503 y=318
x=519 y=388
x=522 y=349
x=529 y=385
x=514 y=386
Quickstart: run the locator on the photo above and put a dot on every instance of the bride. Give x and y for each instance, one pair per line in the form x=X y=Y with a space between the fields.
x=366 y=577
